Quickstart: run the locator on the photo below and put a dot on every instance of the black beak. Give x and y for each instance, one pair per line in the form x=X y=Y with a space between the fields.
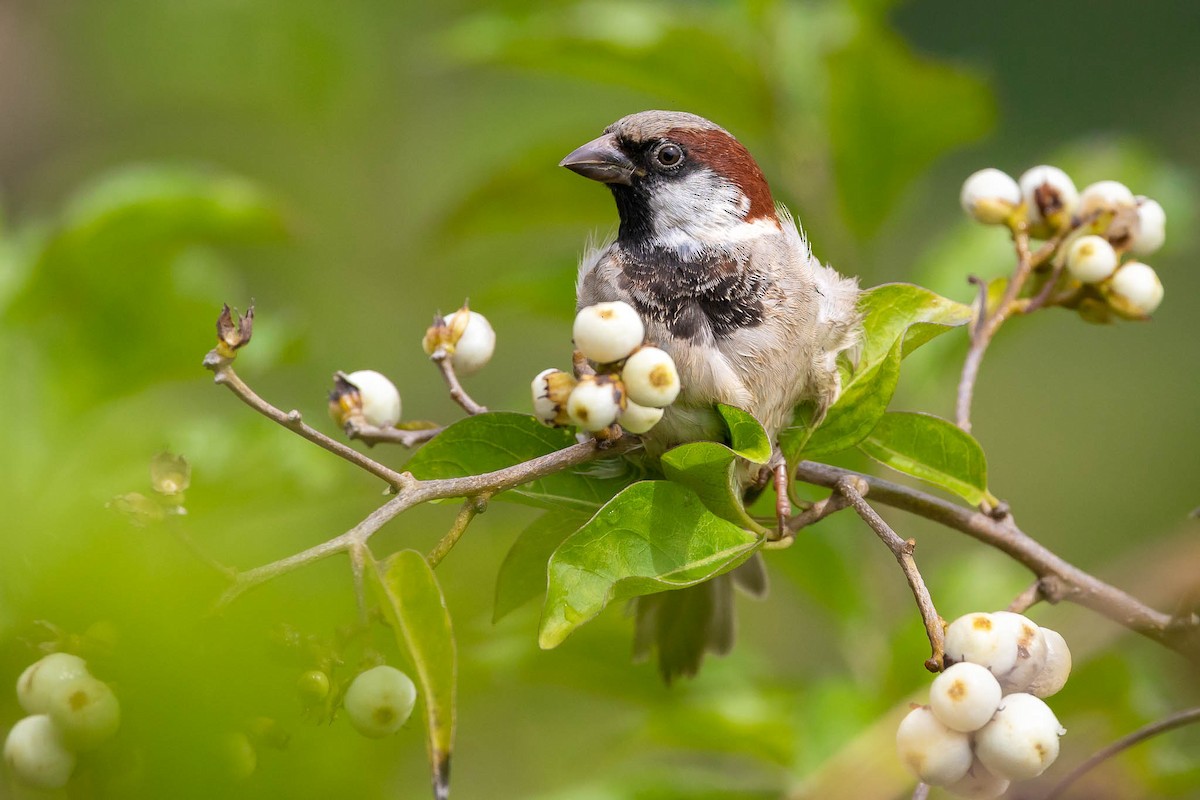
x=601 y=160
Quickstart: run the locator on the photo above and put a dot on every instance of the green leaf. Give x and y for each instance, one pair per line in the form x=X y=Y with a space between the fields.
x=496 y=440
x=746 y=434
x=654 y=536
x=932 y=449
x=851 y=418
x=416 y=609
x=711 y=470
x=522 y=576
x=895 y=310
x=891 y=113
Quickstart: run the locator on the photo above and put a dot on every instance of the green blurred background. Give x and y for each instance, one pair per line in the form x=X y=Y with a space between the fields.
x=354 y=167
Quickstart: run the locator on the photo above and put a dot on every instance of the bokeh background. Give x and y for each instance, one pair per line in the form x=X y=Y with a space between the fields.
x=354 y=167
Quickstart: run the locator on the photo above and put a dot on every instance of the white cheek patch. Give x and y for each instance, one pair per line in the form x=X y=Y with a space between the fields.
x=702 y=211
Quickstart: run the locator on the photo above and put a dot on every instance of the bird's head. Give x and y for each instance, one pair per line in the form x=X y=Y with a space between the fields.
x=681 y=182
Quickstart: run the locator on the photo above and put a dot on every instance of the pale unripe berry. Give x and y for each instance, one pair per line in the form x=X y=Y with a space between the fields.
x=1151 y=229
x=979 y=784
x=1091 y=259
x=595 y=402
x=964 y=697
x=931 y=751
x=379 y=701
x=651 y=378
x=36 y=755
x=475 y=343
x=1105 y=197
x=313 y=686
x=990 y=196
x=86 y=711
x=551 y=390
x=608 y=332
x=1136 y=289
x=981 y=639
x=1021 y=741
x=380 y=397
x=1050 y=195
x=1031 y=651
x=238 y=755
x=1054 y=673
x=39 y=680
x=639 y=419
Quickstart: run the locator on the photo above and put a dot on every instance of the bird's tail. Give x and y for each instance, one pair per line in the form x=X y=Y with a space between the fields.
x=684 y=624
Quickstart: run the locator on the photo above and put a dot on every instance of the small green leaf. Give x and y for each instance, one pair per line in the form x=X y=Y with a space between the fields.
x=654 y=536
x=416 y=609
x=851 y=418
x=496 y=440
x=895 y=310
x=746 y=434
x=522 y=576
x=932 y=449
x=711 y=470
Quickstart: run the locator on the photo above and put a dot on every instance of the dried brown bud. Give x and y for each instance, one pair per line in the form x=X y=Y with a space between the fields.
x=345 y=401
x=234 y=330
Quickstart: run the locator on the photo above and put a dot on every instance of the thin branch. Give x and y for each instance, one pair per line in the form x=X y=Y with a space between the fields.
x=1178 y=720
x=817 y=512
x=457 y=393
x=224 y=375
x=1027 y=599
x=853 y=488
x=985 y=326
x=372 y=435
x=414 y=492
x=472 y=507
x=1059 y=579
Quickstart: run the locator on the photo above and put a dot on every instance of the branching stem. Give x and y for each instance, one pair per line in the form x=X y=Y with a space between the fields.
x=853 y=488
x=457 y=393
x=1177 y=720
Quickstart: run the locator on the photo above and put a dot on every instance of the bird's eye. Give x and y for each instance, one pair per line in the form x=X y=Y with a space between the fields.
x=669 y=155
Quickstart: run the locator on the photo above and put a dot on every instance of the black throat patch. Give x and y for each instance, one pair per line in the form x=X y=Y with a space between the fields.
x=710 y=290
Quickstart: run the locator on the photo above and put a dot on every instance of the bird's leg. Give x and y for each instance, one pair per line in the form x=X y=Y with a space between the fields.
x=783 y=506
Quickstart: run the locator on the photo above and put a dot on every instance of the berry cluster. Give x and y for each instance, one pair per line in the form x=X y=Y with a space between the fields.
x=1098 y=226
x=986 y=724
x=632 y=383
x=69 y=712
x=467 y=339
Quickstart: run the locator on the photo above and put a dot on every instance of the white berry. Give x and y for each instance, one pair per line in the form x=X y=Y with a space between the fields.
x=379 y=701
x=1151 y=229
x=40 y=678
x=1091 y=259
x=1050 y=195
x=980 y=639
x=931 y=751
x=990 y=196
x=1105 y=197
x=1021 y=741
x=551 y=389
x=36 y=755
x=651 y=378
x=608 y=332
x=1054 y=673
x=1031 y=650
x=964 y=697
x=1136 y=288
x=979 y=784
x=595 y=402
x=475 y=344
x=380 y=397
x=637 y=418
x=86 y=711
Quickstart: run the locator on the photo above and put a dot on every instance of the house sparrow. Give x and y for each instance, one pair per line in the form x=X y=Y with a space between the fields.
x=727 y=284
